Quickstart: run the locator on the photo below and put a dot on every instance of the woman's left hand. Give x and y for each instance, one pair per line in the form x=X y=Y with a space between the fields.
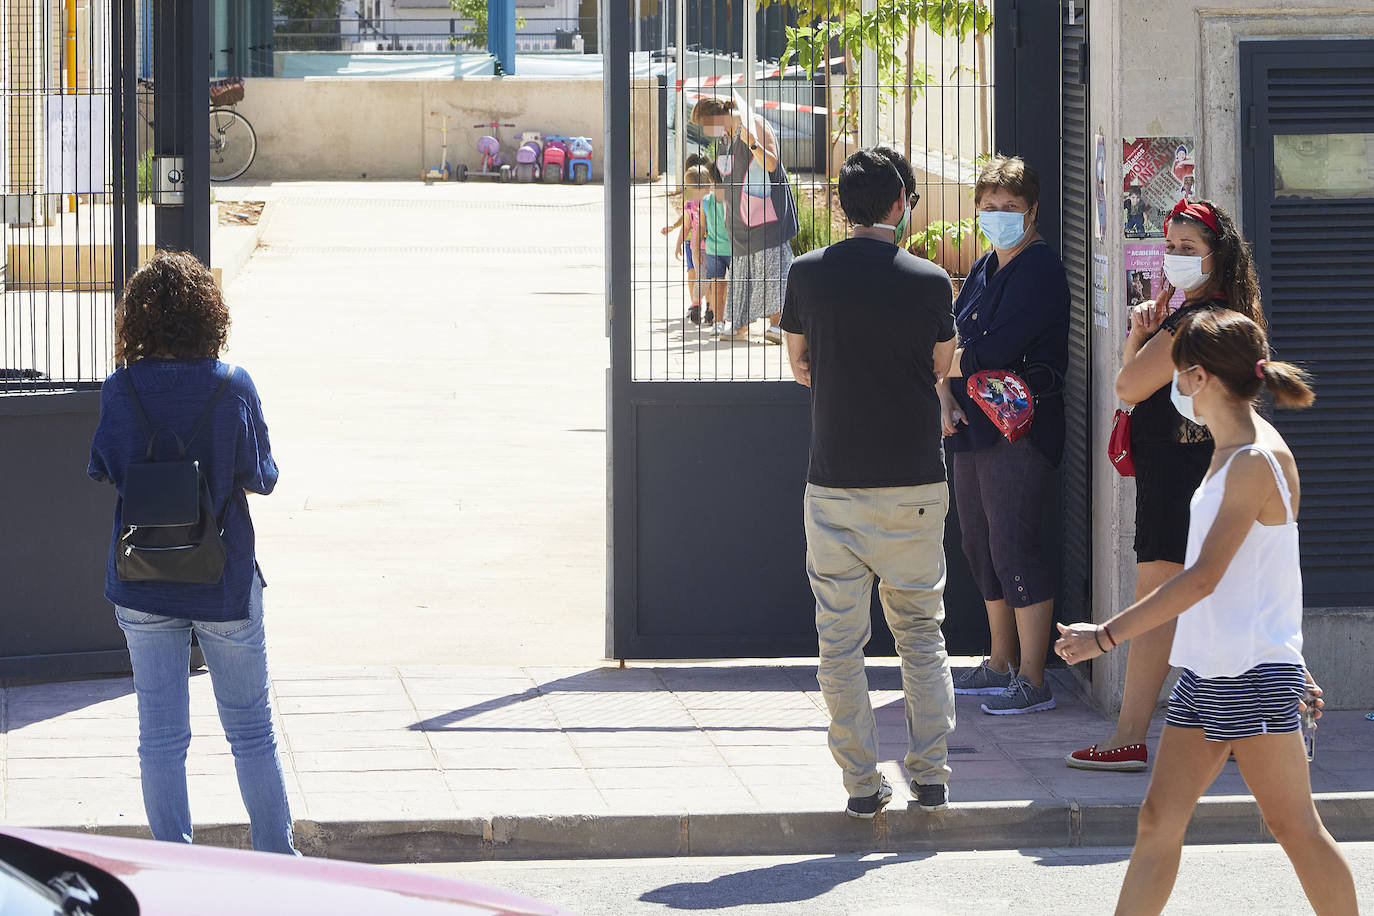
x=1078 y=642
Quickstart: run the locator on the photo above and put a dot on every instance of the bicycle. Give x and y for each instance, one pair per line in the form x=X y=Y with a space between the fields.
x=233 y=141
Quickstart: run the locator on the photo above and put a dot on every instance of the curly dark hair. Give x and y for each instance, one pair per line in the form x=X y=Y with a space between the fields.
x=171 y=308
x=1237 y=277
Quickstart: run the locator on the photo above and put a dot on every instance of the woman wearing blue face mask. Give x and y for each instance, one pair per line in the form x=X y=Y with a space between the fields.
x=1012 y=313
x=1210 y=261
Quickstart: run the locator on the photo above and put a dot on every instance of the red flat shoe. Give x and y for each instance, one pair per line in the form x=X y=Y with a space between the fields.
x=1129 y=759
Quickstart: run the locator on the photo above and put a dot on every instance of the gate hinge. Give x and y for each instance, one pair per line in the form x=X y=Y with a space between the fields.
x=1014 y=26
x=1251 y=125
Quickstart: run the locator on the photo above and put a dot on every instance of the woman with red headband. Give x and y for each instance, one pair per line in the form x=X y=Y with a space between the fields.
x=1210 y=261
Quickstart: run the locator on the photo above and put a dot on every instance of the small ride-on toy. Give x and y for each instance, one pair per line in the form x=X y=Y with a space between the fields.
x=493 y=164
x=443 y=171
x=580 y=160
x=527 y=165
x=555 y=158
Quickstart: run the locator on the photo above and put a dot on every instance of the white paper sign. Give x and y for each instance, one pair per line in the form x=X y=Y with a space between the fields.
x=76 y=144
x=1100 y=290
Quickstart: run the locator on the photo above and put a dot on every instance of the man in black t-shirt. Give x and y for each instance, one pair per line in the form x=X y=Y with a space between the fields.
x=866 y=324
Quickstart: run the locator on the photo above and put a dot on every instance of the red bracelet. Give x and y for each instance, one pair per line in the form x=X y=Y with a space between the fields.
x=1110 y=638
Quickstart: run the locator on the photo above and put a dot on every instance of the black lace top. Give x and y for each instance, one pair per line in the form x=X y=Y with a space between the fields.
x=1155 y=420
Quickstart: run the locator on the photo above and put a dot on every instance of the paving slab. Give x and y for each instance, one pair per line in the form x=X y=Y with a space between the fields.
x=404 y=764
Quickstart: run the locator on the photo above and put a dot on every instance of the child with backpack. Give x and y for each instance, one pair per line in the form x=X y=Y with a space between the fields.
x=1238 y=601
x=183 y=440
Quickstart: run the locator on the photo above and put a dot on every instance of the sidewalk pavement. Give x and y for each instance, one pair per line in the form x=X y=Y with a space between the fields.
x=424 y=763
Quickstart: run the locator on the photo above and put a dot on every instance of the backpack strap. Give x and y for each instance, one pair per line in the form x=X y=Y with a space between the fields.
x=195 y=430
x=205 y=414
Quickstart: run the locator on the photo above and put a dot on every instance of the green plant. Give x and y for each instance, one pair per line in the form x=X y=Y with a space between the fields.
x=929 y=238
x=815 y=229
x=308 y=9
x=145 y=177
x=476 y=10
x=881 y=32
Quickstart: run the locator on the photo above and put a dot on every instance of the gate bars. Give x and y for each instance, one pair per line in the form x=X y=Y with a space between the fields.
x=828 y=77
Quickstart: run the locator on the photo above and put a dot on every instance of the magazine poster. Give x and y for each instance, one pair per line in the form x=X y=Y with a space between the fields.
x=1145 y=274
x=1157 y=172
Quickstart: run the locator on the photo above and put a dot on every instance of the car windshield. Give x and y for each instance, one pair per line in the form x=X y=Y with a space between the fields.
x=21 y=895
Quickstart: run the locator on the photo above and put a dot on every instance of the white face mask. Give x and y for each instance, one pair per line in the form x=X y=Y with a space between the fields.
x=1184 y=271
x=1183 y=403
x=714 y=130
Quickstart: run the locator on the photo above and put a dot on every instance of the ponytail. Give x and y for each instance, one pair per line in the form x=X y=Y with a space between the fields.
x=1290 y=385
x=1234 y=349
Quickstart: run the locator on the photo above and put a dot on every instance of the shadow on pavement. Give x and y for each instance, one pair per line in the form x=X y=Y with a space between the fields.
x=790 y=882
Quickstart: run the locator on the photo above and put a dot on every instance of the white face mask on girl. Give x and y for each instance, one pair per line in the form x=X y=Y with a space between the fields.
x=1183 y=403
x=1184 y=271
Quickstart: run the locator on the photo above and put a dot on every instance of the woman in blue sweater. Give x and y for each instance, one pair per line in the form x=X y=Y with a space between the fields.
x=1012 y=313
x=170 y=327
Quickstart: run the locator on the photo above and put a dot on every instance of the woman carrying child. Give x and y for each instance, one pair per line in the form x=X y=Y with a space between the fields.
x=1238 y=603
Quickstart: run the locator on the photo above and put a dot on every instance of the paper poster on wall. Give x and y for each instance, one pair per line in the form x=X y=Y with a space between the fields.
x=1100 y=189
x=76 y=144
x=1157 y=172
x=1100 y=269
x=1145 y=274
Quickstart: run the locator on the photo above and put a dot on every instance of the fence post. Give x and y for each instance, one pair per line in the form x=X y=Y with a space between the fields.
x=501 y=33
x=868 y=85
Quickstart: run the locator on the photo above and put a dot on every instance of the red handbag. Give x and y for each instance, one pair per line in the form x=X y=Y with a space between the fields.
x=1005 y=398
x=1119 y=445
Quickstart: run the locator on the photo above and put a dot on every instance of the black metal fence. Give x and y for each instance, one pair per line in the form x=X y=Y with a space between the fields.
x=851 y=73
x=59 y=275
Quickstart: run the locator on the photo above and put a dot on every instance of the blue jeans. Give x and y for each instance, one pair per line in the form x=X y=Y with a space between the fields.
x=236 y=654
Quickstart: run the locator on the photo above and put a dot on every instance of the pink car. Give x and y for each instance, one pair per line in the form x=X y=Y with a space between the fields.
x=51 y=872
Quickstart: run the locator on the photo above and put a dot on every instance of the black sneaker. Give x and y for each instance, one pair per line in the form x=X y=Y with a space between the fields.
x=866 y=806
x=931 y=798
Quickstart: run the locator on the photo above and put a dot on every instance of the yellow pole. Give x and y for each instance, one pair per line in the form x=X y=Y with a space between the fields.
x=71 y=66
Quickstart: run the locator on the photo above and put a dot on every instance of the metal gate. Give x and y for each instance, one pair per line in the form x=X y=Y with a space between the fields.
x=87 y=174
x=709 y=434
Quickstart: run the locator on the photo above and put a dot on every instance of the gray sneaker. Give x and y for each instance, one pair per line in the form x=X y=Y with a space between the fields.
x=1021 y=696
x=982 y=681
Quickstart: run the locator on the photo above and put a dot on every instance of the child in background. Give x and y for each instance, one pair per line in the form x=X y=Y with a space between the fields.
x=688 y=244
x=716 y=266
x=1239 y=606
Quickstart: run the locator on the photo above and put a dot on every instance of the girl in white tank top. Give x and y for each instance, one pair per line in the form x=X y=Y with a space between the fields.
x=1239 y=638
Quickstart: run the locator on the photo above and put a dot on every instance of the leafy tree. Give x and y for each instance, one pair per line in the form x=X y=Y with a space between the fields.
x=476 y=10
x=827 y=23
x=309 y=9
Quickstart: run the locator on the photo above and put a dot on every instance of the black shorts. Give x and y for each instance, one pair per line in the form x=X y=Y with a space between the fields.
x=1165 y=477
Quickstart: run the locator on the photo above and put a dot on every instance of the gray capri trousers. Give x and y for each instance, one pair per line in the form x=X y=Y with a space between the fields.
x=1001 y=494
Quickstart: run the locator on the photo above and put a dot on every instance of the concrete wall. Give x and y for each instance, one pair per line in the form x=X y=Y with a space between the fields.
x=382 y=129
x=1171 y=68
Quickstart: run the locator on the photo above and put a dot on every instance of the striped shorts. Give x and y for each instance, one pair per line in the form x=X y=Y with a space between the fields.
x=1261 y=701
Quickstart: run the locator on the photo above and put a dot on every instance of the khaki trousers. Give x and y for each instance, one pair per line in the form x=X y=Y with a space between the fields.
x=897 y=534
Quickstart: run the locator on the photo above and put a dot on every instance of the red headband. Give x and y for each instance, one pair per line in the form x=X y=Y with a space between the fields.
x=1202 y=212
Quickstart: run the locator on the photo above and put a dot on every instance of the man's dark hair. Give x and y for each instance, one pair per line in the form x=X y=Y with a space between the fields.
x=902 y=165
x=870 y=183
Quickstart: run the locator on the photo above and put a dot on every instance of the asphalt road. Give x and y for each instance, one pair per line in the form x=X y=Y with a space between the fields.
x=1213 y=881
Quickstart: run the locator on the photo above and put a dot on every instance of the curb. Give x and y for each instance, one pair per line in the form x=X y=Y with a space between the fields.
x=968 y=826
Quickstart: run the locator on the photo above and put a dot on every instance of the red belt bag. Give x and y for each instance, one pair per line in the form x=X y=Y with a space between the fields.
x=1005 y=398
x=1119 y=445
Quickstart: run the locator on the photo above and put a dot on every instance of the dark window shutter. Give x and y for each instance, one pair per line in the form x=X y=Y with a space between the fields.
x=1314 y=257
x=1075 y=599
